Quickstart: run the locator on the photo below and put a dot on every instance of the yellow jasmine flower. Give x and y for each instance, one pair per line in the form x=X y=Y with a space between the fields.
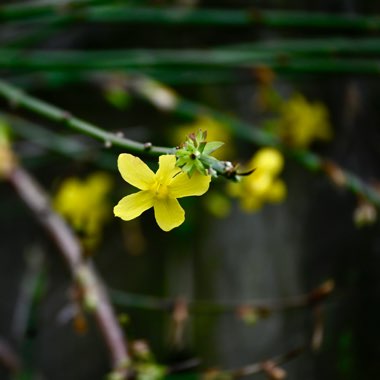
x=302 y=122
x=262 y=185
x=159 y=190
x=84 y=204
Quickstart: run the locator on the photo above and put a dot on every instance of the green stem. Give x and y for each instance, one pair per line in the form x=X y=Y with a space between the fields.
x=247 y=132
x=17 y=98
x=188 y=16
x=114 y=60
x=186 y=108
x=174 y=77
x=54 y=142
x=32 y=10
x=165 y=61
x=326 y=46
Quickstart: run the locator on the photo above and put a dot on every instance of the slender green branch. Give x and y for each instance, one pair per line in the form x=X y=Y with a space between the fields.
x=127 y=59
x=54 y=142
x=327 y=66
x=171 y=76
x=318 y=46
x=38 y=9
x=188 y=16
x=168 y=101
x=221 y=61
x=146 y=89
x=18 y=98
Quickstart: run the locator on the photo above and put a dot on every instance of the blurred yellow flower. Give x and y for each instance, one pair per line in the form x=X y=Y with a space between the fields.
x=85 y=206
x=215 y=132
x=262 y=185
x=217 y=204
x=159 y=190
x=302 y=122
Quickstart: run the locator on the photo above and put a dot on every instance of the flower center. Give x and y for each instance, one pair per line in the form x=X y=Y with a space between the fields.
x=160 y=190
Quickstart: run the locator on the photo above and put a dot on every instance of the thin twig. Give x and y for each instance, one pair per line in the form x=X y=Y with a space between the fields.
x=252 y=369
x=83 y=272
x=260 y=307
x=271 y=366
x=51 y=141
x=18 y=98
x=165 y=99
x=149 y=90
x=288 y=60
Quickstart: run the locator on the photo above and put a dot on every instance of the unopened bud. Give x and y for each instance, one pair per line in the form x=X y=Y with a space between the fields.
x=274 y=372
x=365 y=214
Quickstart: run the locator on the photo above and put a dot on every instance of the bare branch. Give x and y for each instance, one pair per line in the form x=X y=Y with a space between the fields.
x=84 y=273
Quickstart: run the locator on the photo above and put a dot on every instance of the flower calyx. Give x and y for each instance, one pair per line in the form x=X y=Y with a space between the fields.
x=195 y=154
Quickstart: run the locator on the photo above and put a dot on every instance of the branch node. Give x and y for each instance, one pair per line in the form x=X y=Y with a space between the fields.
x=66 y=116
x=148 y=146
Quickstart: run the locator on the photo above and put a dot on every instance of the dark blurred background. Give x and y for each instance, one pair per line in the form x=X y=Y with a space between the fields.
x=281 y=251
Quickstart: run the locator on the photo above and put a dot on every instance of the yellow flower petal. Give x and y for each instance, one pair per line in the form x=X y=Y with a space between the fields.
x=258 y=184
x=135 y=171
x=167 y=169
x=69 y=200
x=168 y=213
x=235 y=189
x=217 y=204
x=251 y=204
x=99 y=183
x=269 y=160
x=277 y=192
x=133 y=205
x=183 y=186
x=303 y=122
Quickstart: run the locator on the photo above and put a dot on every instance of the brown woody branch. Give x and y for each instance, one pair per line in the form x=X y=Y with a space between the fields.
x=83 y=271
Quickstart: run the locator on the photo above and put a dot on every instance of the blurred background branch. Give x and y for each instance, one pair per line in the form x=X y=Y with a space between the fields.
x=95 y=298
x=51 y=11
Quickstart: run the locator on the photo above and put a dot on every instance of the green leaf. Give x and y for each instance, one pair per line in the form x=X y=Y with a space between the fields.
x=202 y=146
x=212 y=147
x=200 y=167
x=188 y=168
x=182 y=161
